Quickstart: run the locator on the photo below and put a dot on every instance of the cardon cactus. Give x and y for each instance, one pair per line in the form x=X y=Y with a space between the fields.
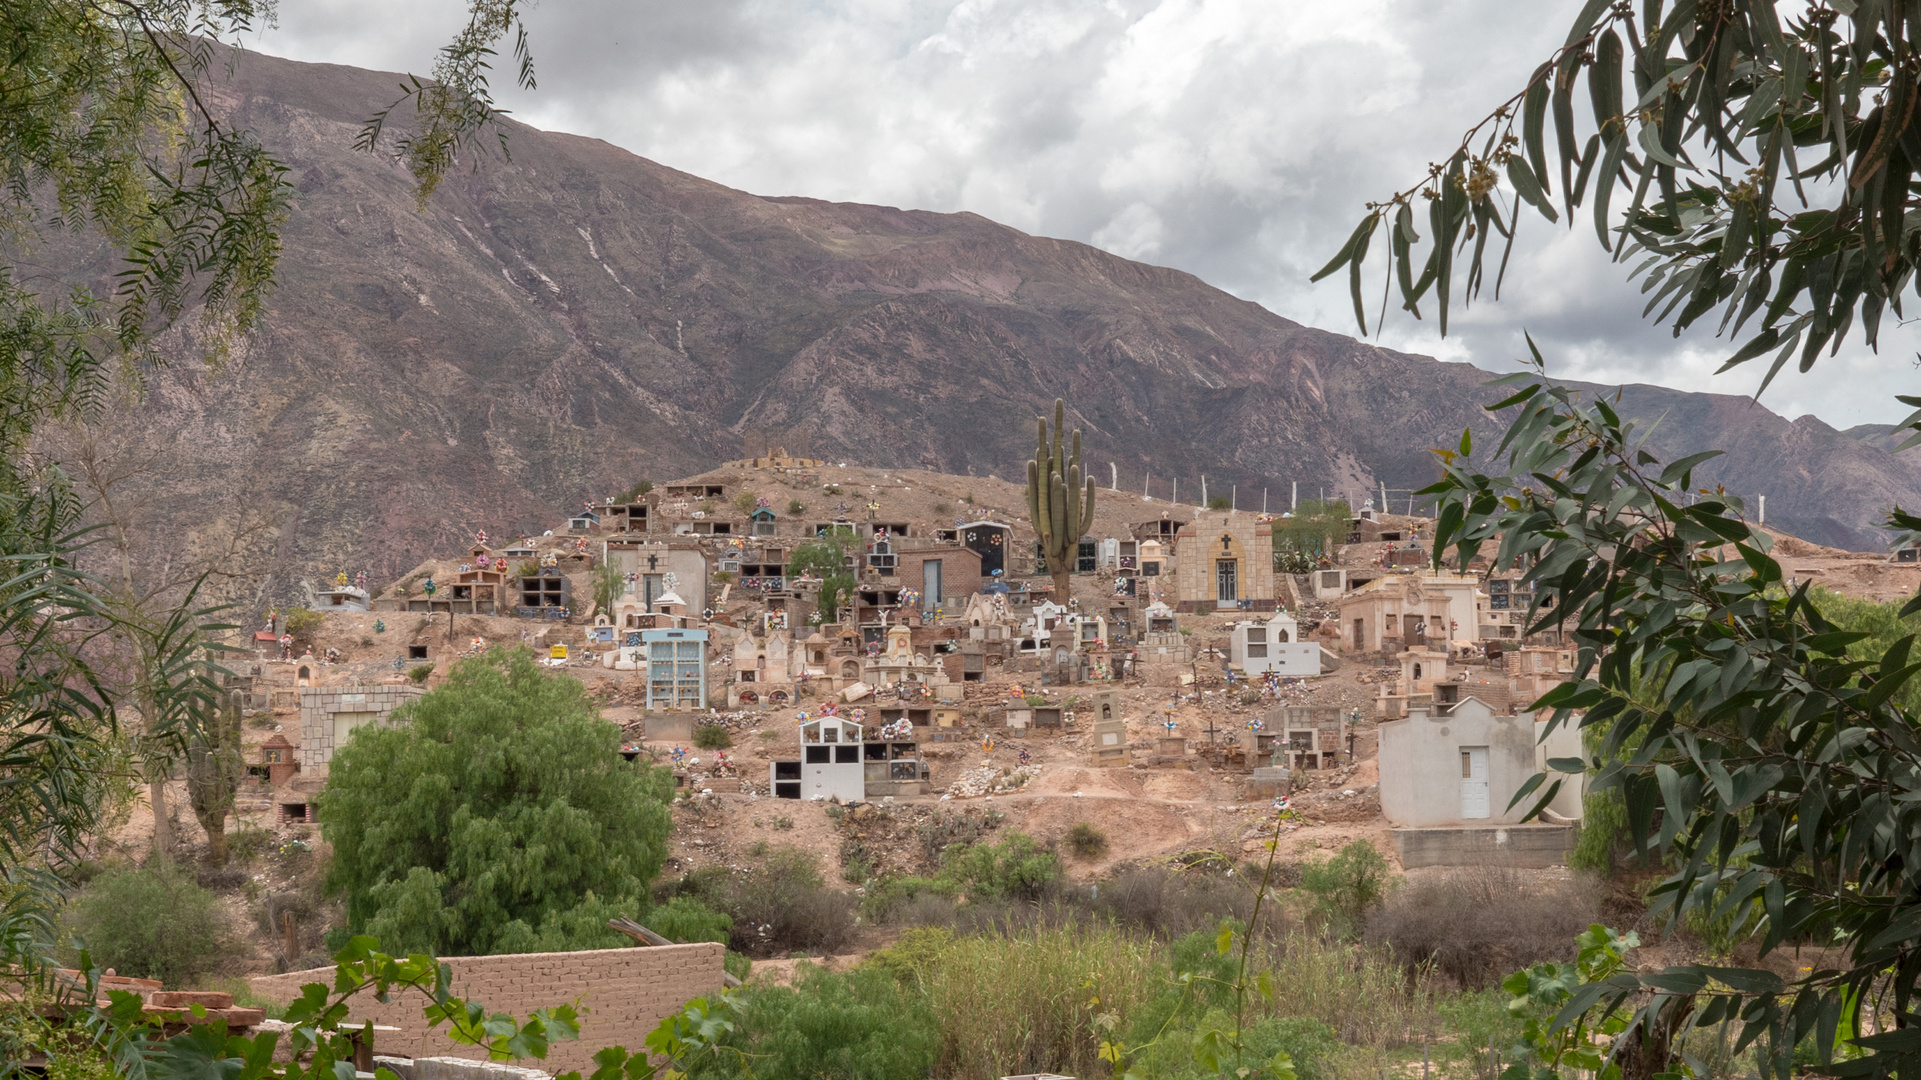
x=1059 y=501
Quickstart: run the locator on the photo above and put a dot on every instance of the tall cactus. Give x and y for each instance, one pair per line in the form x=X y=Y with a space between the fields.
x=1059 y=503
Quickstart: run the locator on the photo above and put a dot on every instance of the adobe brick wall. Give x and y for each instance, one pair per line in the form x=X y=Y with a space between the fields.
x=621 y=994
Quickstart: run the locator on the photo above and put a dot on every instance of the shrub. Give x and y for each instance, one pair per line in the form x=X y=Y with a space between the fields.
x=1168 y=905
x=684 y=919
x=1477 y=925
x=863 y=1025
x=712 y=737
x=302 y=624
x=155 y=923
x=1345 y=888
x=1017 y=868
x=1086 y=842
x=419 y=672
x=779 y=907
x=795 y=507
x=1219 y=502
x=745 y=501
x=495 y=816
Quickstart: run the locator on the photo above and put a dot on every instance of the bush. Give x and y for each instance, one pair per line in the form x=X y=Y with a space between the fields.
x=1017 y=868
x=712 y=737
x=419 y=672
x=302 y=624
x=863 y=1025
x=746 y=501
x=1168 y=905
x=1219 y=502
x=1086 y=842
x=779 y=907
x=496 y=815
x=1477 y=925
x=1345 y=888
x=795 y=507
x=684 y=919
x=155 y=923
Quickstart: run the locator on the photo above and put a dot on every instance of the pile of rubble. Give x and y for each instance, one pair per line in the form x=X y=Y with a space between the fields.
x=992 y=780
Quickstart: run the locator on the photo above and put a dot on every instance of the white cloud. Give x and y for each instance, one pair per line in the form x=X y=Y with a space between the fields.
x=1235 y=139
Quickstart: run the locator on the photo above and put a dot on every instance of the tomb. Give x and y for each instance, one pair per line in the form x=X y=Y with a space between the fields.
x=655 y=567
x=763 y=668
x=1461 y=764
x=343 y=597
x=545 y=592
x=1397 y=611
x=1226 y=562
x=831 y=765
x=1107 y=741
x=626 y=517
x=279 y=760
x=991 y=541
x=1273 y=647
x=676 y=666
x=1298 y=737
x=330 y=715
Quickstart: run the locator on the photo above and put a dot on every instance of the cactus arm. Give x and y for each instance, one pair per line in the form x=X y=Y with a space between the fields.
x=1033 y=492
x=1087 y=508
x=1060 y=429
x=1072 y=518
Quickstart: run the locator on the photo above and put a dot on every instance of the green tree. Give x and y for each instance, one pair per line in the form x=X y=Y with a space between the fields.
x=1316 y=527
x=609 y=585
x=1061 y=509
x=496 y=815
x=1346 y=886
x=825 y=559
x=1773 y=774
x=1766 y=153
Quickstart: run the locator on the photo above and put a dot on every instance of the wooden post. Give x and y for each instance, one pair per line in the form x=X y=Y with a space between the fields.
x=292 y=940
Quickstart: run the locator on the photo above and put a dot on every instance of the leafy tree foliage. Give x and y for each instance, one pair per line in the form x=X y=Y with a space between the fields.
x=1345 y=887
x=1317 y=527
x=1765 y=153
x=152 y=923
x=496 y=815
x=1775 y=774
x=825 y=559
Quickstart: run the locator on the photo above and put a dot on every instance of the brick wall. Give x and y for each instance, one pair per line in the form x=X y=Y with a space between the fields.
x=621 y=994
x=319 y=704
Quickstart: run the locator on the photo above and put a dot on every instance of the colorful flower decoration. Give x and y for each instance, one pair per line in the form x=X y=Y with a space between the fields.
x=380 y=626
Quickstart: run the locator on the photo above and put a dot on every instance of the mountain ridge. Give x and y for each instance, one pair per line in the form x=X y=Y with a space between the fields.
x=552 y=327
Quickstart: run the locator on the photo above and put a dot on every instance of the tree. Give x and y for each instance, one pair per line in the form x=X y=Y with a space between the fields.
x=1316 y=527
x=1776 y=776
x=1767 y=165
x=1061 y=509
x=825 y=559
x=495 y=815
x=609 y=585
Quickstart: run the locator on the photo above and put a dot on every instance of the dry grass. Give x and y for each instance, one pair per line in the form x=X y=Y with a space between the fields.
x=1027 y=1002
x=1475 y=925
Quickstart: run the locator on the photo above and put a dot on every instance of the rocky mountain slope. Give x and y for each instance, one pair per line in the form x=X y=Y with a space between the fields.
x=554 y=327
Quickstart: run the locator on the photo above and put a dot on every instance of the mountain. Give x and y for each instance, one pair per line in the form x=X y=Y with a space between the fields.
x=553 y=327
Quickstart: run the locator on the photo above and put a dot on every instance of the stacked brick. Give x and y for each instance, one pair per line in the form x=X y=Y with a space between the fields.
x=622 y=994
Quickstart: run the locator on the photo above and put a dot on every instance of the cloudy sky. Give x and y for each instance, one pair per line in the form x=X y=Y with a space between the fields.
x=1234 y=139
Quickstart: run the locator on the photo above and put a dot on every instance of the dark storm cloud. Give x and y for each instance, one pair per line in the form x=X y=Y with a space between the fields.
x=1234 y=139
